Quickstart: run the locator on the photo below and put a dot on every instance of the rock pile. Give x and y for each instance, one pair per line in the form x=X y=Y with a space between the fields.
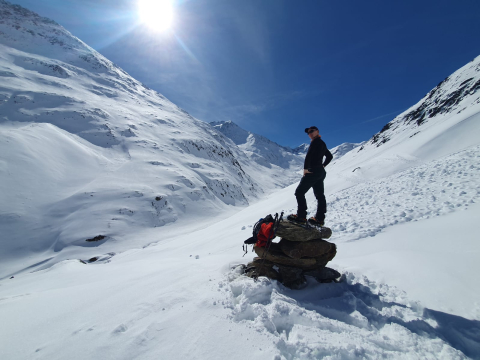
x=301 y=251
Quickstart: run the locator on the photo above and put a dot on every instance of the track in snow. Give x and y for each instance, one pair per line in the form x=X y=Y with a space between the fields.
x=436 y=188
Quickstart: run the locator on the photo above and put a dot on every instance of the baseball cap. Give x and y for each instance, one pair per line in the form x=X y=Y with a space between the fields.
x=310 y=128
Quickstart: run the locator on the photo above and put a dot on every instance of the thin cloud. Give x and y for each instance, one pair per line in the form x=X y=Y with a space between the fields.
x=381 y=116
x=267 y=103
x=397 y=112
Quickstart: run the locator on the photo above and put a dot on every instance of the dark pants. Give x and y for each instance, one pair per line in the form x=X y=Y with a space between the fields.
x=315 y=181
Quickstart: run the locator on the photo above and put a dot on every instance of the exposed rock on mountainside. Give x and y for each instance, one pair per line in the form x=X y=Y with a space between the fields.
x=453 y=95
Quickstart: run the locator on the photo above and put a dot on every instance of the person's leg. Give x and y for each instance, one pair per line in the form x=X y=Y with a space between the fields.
x=318 y=190
x=305 y=184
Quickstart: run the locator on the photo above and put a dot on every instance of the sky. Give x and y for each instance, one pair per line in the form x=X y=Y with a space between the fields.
x=275 y=67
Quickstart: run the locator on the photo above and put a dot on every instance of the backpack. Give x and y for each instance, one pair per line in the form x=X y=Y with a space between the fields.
x=267 y=221
x=263 y=232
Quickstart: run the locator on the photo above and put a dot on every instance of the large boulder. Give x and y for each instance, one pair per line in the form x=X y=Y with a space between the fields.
x=324 y=275
x=259 y=267
x=295 y=232
x=291 y=277
x=312 y=248
x=321 y=261
x=279 y=257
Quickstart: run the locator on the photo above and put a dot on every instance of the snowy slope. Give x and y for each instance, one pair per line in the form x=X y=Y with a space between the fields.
x=82 y=142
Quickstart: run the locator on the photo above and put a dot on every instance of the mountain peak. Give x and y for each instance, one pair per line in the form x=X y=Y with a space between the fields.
x=232 y=131
x=19 y=12
x=257 y=147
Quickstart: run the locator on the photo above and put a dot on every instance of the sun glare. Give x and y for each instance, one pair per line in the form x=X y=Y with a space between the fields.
x=156 y=14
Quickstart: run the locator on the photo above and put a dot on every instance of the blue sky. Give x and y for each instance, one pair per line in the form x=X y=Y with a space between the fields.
x=275 y=67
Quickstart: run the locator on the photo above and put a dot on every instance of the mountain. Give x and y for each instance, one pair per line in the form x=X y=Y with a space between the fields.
x=443 y=122
x=458 y=93
x=342 y=149
x=258 y=148
x=301 y=149
x=83 y=142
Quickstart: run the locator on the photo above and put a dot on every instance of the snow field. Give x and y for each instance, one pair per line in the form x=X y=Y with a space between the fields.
x=435 y=261
x=178 y=298
x=435 y=188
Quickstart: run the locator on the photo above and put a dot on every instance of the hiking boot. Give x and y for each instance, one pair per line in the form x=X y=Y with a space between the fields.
x=295 y=219
x=313 y=221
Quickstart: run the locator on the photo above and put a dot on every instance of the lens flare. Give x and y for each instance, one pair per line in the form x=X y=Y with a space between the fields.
x=156 y=14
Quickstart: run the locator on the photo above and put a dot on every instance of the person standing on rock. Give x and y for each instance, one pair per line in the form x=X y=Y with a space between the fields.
x=313 y=176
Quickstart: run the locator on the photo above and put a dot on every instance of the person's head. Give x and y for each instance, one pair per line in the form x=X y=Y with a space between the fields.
x=312 y=132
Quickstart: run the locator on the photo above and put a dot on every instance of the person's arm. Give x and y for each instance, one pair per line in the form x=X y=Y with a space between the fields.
x=328 y=158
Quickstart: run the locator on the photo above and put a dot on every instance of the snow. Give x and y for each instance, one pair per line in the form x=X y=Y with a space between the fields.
x=165 y=280
x=398 y=255
x=342 y=149
x=162 y=300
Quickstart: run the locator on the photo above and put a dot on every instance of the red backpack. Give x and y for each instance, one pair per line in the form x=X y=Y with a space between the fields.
x=265 y=234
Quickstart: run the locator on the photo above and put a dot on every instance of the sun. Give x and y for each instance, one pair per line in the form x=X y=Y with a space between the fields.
x=156 y=14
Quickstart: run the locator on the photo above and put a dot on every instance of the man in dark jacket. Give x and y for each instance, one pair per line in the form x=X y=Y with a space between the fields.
x=313 y=176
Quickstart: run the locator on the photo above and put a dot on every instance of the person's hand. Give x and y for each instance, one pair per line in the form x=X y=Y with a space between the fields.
x=305 y=172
